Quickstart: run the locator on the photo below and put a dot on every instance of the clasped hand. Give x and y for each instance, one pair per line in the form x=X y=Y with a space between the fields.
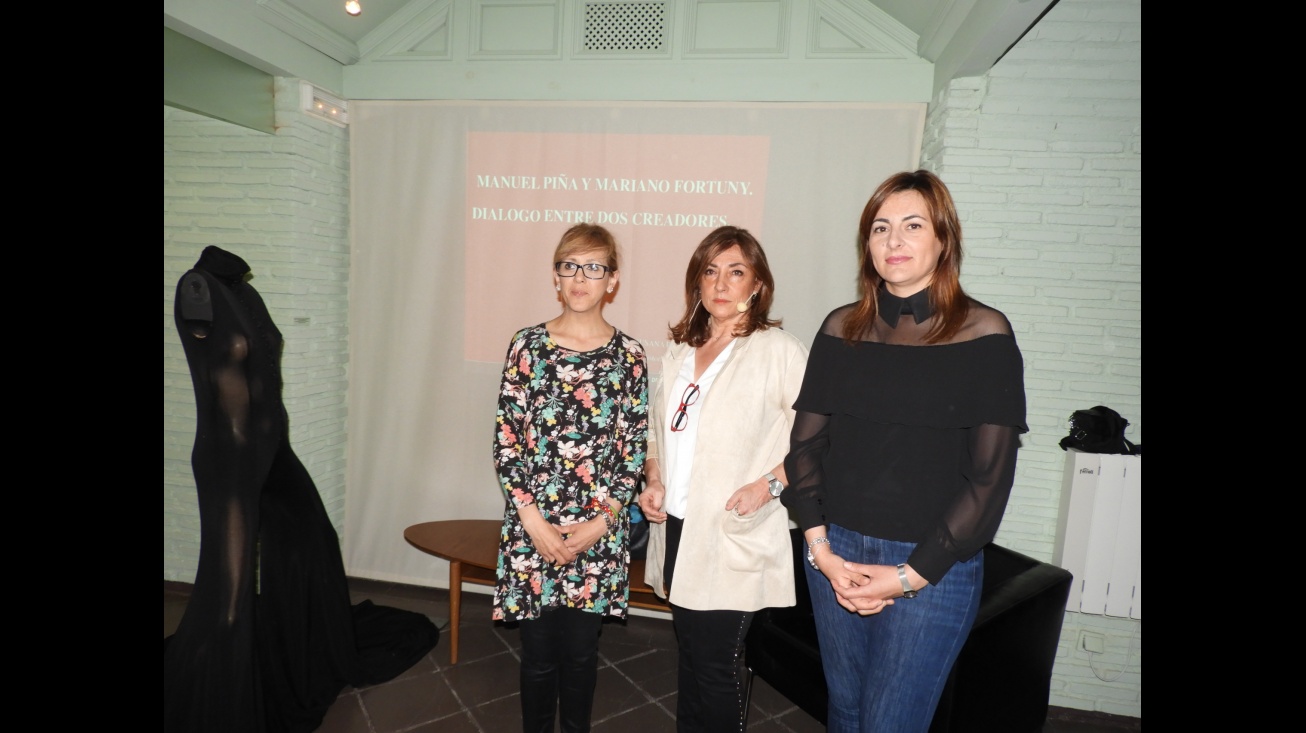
x=562 y=545
x=862 y=589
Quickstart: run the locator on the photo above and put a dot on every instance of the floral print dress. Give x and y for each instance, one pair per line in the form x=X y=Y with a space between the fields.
x=571 y=431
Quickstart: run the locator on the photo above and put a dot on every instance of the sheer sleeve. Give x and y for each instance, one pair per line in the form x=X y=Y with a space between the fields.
x=511 y=423
x=988 y=466
x=808 y=442
x=972 y=519
x=632 y=425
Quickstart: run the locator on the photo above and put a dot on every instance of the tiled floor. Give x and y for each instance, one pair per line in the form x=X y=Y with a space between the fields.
x=636 y=688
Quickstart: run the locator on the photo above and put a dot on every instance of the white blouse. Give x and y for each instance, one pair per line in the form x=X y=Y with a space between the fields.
x=678 y=446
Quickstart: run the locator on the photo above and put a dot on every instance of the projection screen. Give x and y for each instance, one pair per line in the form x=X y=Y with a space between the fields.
x=456 y=208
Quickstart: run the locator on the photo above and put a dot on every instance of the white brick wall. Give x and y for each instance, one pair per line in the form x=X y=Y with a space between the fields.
x=281 y=202
x=1044 y=157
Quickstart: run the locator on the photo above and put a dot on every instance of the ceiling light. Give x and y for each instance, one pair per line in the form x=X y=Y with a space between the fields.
x=353 y=7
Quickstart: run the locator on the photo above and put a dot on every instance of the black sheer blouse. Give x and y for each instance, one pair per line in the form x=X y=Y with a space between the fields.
x=906 y=441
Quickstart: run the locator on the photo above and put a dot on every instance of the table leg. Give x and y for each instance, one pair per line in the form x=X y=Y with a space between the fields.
x=455 y=607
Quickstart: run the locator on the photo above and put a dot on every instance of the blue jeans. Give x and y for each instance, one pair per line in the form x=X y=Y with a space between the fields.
x=885 y=672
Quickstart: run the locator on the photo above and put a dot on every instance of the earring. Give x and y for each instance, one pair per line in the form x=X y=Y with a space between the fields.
x=558 y=288
x=609 y=291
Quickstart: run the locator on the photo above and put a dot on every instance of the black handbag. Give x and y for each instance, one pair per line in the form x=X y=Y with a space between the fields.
x=1099 y=430
x=638 y=533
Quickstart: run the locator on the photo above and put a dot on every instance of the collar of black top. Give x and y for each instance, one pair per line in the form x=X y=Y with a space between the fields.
x=890 y=306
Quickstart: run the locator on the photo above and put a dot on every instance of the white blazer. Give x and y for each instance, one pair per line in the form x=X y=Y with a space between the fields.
x=728 y=562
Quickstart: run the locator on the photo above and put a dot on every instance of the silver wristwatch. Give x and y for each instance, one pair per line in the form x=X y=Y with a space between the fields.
x=773 y=485
x=907 y=592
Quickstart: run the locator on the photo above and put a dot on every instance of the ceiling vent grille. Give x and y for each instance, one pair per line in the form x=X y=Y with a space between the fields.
x=624 y=27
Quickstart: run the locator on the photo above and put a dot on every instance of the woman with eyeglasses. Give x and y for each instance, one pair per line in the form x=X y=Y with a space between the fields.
x=722 y=412
x=569 y=450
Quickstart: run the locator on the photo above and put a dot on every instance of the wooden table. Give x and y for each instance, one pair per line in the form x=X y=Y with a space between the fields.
x=472 y=548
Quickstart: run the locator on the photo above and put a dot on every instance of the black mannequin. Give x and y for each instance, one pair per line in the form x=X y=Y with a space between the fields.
x=268 y=638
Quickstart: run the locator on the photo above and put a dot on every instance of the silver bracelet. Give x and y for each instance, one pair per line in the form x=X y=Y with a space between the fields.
x=811 y=559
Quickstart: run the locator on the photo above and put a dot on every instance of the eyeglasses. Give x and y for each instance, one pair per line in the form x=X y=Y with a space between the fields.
x=593 y=270
x=681 y=417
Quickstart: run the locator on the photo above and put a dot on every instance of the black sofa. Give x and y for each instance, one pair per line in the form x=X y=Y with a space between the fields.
x=1000 y=682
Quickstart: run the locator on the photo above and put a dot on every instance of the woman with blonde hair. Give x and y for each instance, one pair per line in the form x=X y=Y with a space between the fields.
x=569 y=446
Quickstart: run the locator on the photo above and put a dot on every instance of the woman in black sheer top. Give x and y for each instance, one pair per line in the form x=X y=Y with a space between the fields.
x=902 y=457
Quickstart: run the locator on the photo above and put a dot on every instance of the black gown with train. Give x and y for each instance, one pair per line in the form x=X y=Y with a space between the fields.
x=269 y=637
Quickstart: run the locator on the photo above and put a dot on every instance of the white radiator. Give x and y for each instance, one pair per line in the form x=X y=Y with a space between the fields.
x=1100 y=533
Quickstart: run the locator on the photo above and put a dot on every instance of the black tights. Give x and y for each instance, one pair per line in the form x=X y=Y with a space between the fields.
x=559 y=668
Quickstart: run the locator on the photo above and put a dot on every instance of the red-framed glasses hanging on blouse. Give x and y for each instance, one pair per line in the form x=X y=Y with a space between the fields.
x=681 y=417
